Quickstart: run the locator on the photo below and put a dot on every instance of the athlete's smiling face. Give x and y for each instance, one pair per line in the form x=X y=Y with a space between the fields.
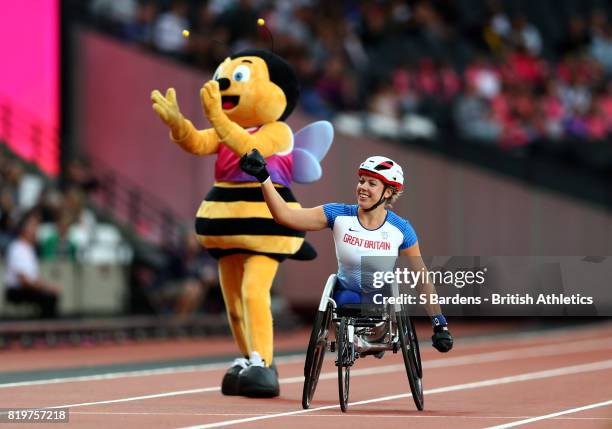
x=369 y=189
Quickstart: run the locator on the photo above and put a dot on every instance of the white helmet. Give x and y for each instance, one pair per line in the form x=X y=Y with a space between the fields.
x=384 y=169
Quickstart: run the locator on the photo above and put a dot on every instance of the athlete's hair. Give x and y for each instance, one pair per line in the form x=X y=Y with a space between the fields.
x=395 y=194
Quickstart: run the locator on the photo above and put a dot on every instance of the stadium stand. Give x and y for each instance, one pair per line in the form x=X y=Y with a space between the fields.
x=532 y=80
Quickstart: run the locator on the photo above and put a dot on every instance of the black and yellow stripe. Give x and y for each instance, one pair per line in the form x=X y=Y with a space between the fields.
x=234 y=218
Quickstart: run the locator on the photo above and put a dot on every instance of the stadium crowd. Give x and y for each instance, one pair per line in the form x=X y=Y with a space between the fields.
x=40 y=222
x=502 y=72
x=44 y=222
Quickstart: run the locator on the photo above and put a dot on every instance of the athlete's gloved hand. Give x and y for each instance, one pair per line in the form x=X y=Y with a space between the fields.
x=255 y=165
x=442 y=340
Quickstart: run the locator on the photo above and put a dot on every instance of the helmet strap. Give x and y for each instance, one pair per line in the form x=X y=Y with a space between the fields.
x=380 y=201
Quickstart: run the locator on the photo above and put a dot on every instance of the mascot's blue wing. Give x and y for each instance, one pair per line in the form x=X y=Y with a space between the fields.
x=311 y=144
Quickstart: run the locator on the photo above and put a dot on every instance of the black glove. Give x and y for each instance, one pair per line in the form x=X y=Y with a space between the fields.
x=442 y=340
x=255 y=165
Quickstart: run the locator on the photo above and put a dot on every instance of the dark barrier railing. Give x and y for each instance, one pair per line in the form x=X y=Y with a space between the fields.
x=147 y=215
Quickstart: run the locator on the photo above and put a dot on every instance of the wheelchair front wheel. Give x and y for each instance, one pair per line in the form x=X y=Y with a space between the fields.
x=344 y=362
x=315 y=354
x=412 y=357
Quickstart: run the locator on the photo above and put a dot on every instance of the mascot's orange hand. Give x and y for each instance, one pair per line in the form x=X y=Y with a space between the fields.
x=211 y=101
x=168 y=110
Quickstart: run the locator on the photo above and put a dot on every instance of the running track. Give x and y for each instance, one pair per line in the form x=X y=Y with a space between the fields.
x=553 y=379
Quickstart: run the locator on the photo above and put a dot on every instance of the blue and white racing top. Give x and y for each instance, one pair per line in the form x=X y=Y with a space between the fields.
x=354 y=241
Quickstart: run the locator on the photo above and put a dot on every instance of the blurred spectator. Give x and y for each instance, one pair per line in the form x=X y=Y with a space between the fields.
x=526 y=34
x=553 y=110
x=522 y=66
x=601 y=48
x=208 y=38
x=241 y=21
x=604 y=100
x=384 y=100
x=403 y=87
x=576 y=39
x=450 y=81
x=178 y=282
x=575 y=94
x=596 y=123
x=598 y=20
x=8 y=216
x=113 y=14
x=474 y=118
x=58 y=245
x=495 y=32
x=337 y=88
x=167 y=32
x=140 y=29
x=193 y=273
x=483 y=77
x=80 y=177
x=22 y=278
x=426 y=79
x=50 y=204
x=25 y=188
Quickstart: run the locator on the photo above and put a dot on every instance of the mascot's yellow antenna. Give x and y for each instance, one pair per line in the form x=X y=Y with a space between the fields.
x=262 y=23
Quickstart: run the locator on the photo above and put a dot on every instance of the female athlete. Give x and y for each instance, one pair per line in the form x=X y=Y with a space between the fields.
x=369 y=221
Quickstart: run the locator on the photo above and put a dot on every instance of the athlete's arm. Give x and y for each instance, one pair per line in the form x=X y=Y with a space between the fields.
x=313 y=219
x=442 y=339
x=302 y=219
x=415 y=261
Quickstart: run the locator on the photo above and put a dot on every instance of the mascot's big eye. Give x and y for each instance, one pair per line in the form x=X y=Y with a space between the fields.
x=242 y=74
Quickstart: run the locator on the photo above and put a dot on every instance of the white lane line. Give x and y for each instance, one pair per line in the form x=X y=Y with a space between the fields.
x=143 y=373
x=575 y=369
x=548 y=349
x=541 y=351
x=552 y=415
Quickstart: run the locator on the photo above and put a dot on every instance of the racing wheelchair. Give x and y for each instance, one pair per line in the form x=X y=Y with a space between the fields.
x=354 y=335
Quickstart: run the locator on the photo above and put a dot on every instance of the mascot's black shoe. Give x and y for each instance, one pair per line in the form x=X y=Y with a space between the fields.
x=229 y=385
x=258 y=381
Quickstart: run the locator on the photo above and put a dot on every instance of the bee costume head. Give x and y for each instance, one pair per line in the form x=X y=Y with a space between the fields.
x=257 y=87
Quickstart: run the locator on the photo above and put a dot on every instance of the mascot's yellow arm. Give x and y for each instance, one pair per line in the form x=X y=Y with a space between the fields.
x=270 y=139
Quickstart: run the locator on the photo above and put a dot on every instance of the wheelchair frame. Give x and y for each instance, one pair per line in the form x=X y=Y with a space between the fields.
x=350 y=341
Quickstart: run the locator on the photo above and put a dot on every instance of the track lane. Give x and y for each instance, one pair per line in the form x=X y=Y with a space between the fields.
x=470 y=361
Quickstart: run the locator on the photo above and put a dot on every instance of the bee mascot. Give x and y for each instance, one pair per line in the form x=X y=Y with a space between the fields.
x=250 y=95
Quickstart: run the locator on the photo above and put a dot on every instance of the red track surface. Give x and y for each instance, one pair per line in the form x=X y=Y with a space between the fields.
x=542 y=381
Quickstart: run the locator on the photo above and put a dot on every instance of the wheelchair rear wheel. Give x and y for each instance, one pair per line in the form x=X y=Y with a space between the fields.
x=412 y=357
x=344 y=363
x=315 y=354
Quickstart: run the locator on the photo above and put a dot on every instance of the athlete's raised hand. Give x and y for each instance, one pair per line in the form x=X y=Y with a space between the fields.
x=255 y=165
x=168 y=110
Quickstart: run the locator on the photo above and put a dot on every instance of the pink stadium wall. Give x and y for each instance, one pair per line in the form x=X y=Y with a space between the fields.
x=29 y=78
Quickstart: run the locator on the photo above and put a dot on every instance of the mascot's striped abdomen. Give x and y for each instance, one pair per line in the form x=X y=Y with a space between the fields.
x=234 y=218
